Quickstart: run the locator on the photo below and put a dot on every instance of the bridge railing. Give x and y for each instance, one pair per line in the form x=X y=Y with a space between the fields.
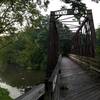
x=38 y=92
x=53 y=82
x=34 y=94
x=87 y=62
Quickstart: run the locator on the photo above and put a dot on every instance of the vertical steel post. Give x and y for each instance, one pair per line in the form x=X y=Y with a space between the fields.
x=93 y=34
x=52 y=45
x=53 y=53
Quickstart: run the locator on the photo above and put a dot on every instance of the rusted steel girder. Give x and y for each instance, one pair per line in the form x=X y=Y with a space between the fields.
x=93 y=33
x=53 y=45
x=84 y=43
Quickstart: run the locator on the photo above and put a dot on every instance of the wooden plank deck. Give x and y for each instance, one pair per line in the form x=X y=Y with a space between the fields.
x=80 y=85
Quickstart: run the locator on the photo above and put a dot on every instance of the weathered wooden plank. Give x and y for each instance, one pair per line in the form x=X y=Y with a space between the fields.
x=91 y=63
x=55 y=74
x=34 y=94
x=57 y=68
x=95 y=69
x=80 y=85
x=52 y=91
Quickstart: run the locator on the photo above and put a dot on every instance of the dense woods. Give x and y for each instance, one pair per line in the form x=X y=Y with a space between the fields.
x=28 y=48
x=26 y=40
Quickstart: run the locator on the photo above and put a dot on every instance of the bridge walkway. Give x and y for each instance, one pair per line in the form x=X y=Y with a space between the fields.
x=77 y=84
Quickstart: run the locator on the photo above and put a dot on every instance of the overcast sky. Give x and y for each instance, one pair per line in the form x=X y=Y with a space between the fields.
x=56 y=4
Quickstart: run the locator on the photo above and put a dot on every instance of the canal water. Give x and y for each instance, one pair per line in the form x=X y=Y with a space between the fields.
x=17 y=81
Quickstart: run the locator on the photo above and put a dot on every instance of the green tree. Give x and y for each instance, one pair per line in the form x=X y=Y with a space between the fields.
x=98 y=41
x=78 y=7
x=17 y=14
x=65 y=36
x=26 y=49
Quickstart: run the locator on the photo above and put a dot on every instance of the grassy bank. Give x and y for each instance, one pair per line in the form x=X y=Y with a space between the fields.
x=4 y=94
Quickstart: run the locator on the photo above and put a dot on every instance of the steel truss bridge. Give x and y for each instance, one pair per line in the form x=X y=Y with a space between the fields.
x=65 y=80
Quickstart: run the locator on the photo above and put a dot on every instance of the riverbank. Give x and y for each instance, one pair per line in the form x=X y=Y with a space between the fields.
x=17 y=81
x=4 y=94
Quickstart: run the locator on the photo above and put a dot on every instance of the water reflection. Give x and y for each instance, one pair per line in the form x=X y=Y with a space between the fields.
x=16 y=81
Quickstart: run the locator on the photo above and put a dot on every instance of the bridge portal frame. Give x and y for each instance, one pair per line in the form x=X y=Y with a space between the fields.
x=53 y=38
x=53 y=44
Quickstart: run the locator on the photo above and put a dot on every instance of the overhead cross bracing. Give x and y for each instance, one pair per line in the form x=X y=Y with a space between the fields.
x=71 y=22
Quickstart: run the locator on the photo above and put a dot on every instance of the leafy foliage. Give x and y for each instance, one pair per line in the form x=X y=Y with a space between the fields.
x=27 y=49
x=16 y=14
x=65 y=38
x=78 y=7
x=4 y=95
x=98 y=41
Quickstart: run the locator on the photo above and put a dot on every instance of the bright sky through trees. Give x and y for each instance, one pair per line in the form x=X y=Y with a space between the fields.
x=56 y=5
x=96 y=11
